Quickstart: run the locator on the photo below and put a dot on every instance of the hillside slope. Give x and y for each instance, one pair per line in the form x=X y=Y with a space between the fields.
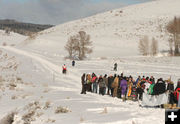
x=116 y=32
x=11 y=39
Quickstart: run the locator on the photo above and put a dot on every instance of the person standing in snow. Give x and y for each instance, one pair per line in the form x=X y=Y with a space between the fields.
x=73 y=63
x=115 y=67
x=170 y=89
x=110 y=81
x=106 y=82
x=176 y=92
x=115 y=85
x=102 y=85
x=89 y=82
x=64 y=69
x=159 y=87
x=140 y=88
x=123 y=86
x=147 y=85
x=94 y=83
x=83 y=82
x=129 y=88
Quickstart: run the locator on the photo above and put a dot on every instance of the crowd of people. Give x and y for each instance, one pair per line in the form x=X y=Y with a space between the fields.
x=126 y=87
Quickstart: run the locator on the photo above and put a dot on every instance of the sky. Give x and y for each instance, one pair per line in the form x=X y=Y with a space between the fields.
x=57 y=11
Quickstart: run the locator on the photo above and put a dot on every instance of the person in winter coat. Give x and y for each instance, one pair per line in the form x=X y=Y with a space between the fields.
x=102 y=85
x=170 y=89
x=159 y=87
x=147 y=85
x=115 y=67
x=112 y=85
x=110 y=81
x=123 y=86
x=140 y=89
x=137 y=80
x=178 y=102
x=94 y=83
x=64 y=69
x=73 y=63
x=115 y=86
x=134 y=93
x=83 y=82
x=129 y=87
x=89 y=82
x=151 y=87
x=119 y=88
x=177 y=91
x=152 y=80
x=106 y=81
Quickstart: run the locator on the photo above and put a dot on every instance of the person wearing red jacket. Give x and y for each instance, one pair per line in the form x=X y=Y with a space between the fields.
x=177 y=91
x=64 y=69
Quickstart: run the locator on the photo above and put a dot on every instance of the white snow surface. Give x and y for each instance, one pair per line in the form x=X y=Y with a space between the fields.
x=114 y=33
x=35 y=67
x=44 y=82
x=12 y=38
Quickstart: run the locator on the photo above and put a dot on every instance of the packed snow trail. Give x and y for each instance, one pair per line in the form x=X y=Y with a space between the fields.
x=52 y=68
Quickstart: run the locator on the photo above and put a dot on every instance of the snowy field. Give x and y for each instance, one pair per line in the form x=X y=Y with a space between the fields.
x=42 y=82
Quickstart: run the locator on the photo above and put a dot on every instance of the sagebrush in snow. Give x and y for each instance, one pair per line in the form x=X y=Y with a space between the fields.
x=61 y=109
x=47 y=105
x=8 y=119
x=50 y=120
x=14 y=97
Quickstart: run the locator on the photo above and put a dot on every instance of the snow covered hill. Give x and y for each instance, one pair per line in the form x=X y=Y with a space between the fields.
x=11 y=39
x=116 y=32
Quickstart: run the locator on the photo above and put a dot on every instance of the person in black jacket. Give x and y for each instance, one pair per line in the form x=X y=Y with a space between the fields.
x=73 y=63
x=83 y=81
x=159 y=87
x=110 y=81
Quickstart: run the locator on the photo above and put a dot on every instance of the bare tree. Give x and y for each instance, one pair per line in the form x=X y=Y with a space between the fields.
x=154 y=47
x=144 y=46
x=85 y=44
x=170 y=46
x=79 y=45
x=173 y=28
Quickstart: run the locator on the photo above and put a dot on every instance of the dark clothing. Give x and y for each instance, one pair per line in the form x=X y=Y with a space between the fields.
x=110 y=81
x=115 y=67
x=64 y=71
x=139 y=93
x=159 y=88
x=73 y=63
x=170 y=87
x=152 y=80
x=83 y=85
